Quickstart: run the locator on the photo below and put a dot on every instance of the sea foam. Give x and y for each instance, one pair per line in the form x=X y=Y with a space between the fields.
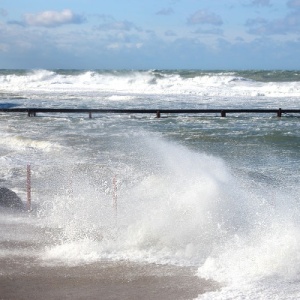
x=142 y=82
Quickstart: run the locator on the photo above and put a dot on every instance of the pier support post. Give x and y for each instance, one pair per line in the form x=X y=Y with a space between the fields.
x=223 y=113
x=28 y=187
x=31 y=113
x=158 y=114
x=90 y=115
x=279 y=113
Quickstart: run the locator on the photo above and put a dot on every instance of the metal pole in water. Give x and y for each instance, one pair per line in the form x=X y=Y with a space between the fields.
x=28 y=187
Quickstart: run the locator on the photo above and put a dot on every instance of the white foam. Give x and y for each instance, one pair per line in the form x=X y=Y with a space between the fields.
x=190 y=211
x=71 y=253
x=92 y=84
x=165 y=217
x=262 y=262
x=121 y=98
x=21 y=143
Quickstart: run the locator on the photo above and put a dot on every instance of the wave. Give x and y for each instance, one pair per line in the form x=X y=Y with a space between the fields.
x=193 y=210
x=91 y=82
x=22 y=143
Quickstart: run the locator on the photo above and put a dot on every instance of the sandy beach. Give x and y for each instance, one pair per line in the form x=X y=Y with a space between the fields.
x=103 y=280
x=23 y=275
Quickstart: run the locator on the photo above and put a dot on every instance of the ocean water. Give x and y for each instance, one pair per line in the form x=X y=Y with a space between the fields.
x=218 y=194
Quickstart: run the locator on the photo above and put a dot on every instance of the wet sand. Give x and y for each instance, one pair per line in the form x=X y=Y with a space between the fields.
x=23 y=275
x=102 y=280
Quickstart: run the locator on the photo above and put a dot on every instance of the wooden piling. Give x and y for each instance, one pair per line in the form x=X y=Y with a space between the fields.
x=28 y=187
x=31 y=113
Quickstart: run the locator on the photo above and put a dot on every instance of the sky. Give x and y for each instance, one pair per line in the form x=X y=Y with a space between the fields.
x=150 y=34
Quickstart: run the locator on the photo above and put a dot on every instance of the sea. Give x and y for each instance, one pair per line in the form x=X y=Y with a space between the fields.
x=219 y=194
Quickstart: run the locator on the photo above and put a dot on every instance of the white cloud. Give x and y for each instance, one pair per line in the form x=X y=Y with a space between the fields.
x=117 y=46
x=170 y=33
x=214 y=31
x=289 y=24
x=165 y=11
x=119 y=26
x=52 y=18
x=205 y=17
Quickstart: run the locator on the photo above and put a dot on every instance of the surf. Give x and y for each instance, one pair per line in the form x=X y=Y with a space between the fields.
x=152 y=82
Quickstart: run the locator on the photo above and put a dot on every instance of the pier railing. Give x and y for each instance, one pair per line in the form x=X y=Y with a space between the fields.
x=32 y=112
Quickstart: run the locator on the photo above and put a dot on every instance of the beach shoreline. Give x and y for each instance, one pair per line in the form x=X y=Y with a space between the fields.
x=100 y=280
x=25 y=275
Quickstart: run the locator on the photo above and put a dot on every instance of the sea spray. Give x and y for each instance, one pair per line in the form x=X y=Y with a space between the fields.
x=178 y=211
x=264 y=260
x=186 y=208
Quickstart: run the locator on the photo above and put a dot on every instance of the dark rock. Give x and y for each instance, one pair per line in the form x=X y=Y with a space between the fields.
x=10 y=199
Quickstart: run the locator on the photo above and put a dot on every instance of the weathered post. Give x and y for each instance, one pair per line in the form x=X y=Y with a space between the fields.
x=31 y=113
x=279 y=113
x=28 y=187
x=223 y=113
x=158 y=114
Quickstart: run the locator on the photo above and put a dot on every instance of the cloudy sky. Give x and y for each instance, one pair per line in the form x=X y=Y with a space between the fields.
x=148 y=34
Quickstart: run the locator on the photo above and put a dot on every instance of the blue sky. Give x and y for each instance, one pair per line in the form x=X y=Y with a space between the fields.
x=150 y=34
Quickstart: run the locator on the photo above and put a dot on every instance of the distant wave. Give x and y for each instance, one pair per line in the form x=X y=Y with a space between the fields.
x=179 y=82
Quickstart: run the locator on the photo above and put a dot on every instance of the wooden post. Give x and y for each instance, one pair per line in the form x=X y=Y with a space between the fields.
x=158 y=114
x=31 y=113
x=28 y=187
x=279 y=113
x=223 y=113
x=90 y=115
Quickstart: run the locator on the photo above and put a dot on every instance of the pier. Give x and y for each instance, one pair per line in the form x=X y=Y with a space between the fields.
x=32 y=112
